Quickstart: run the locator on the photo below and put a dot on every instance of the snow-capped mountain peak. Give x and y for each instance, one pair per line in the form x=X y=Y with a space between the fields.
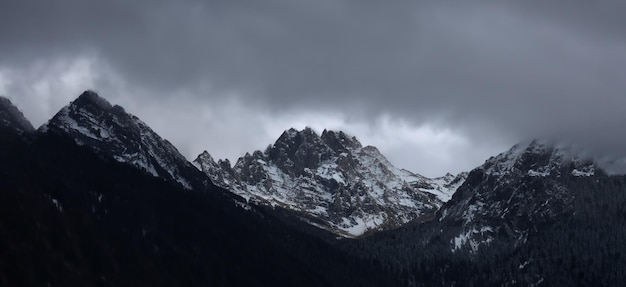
x=541 y=158
x=333 y=181
x=91 y=98
x=92 y=121
x=514 y=192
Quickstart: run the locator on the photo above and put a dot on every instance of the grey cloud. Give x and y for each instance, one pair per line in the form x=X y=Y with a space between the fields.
x=510 y=68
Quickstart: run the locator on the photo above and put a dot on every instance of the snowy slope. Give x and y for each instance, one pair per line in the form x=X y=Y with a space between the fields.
x=92 y=121
x=333 y=180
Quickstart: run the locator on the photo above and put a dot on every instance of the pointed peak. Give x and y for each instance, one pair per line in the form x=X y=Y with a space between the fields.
x=338 y=134
x=308 y=130
x=92 y=98
x=536 y=146
x=85 y=110
x=340 y=140
x=549 y=147
x=327 y=133
x=205 y=156
x=224 y=162
x=448 y=177
x=5 y=102
x=307 y=135
x=538 y=157
x=12 y=117
x=288 y=134
x=93 y=122
x=257 y=154
x=291 y=132
x=539 y=146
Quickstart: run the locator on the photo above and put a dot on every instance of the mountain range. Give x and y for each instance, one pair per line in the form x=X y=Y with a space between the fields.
x=94 y=197
x=334 y=181
x=539 y=214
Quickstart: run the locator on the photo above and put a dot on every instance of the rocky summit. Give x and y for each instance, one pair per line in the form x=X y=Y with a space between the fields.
x=333 y=181
x=107 y=129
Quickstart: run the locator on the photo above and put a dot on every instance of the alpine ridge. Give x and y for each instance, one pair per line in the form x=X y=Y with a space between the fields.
x=96 y=198
x=333 y=182
x=542 y=212
x=93 y=122
x=516 y=192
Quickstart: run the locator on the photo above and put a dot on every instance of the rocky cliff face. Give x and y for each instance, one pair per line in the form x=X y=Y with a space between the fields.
x=333 y=181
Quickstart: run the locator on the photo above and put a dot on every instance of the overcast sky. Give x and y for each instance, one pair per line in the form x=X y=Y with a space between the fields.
x=437 y=86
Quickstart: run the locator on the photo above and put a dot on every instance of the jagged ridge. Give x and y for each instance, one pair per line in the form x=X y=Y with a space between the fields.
x=332 y=179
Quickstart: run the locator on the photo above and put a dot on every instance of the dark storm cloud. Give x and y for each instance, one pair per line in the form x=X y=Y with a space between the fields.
x=520 y=68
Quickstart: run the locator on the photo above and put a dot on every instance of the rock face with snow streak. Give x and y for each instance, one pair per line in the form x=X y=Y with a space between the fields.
x=93 y=122
x=513 y=195
x=333 y=181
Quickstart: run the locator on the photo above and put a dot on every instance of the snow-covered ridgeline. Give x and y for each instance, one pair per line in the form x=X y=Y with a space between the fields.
x=332 y=177
x=92 y=121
